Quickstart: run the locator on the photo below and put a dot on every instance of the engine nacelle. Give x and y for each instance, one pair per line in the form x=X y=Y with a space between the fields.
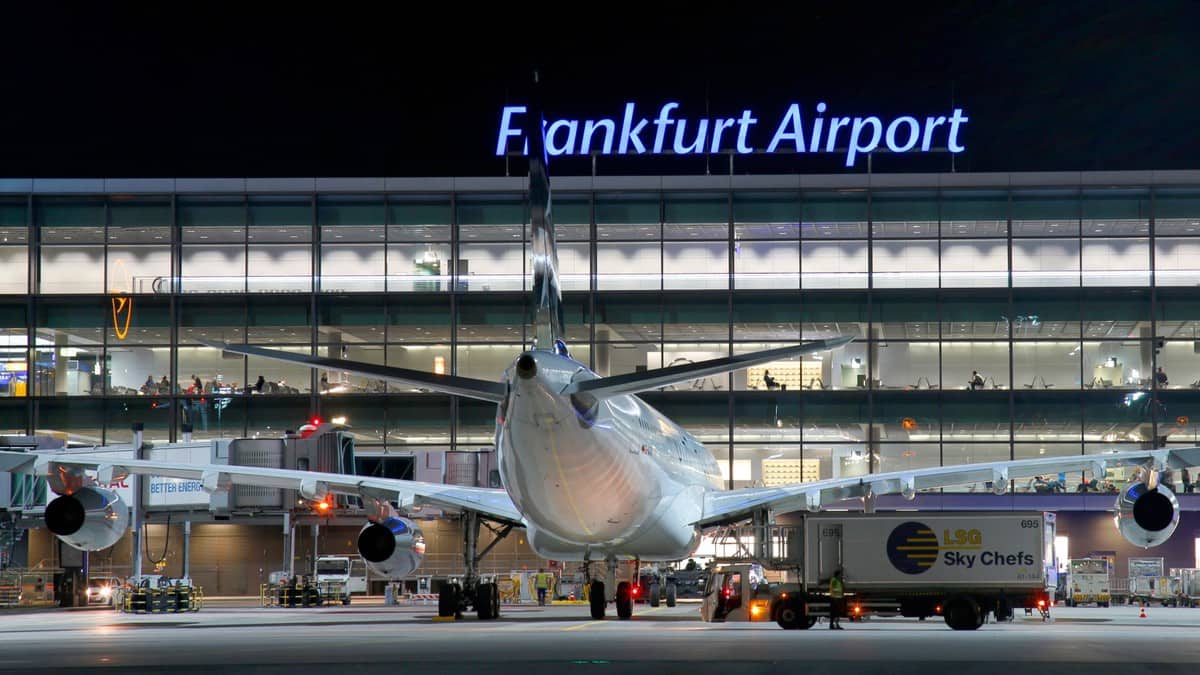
x=1147 y=517
x=89 y=519
x=393 y=547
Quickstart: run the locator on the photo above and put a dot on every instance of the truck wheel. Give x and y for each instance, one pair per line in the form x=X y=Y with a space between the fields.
x=792 y=615
x=624 y=600
x=672 y=593
x=448 y=600
x=962 y=613
x=596 y=598
x=653 y=595
x=345 y=600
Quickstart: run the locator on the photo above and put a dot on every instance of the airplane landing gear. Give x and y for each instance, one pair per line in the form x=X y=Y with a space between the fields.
x=595 y=591
x=596 y=599
x=474 y=593
x=624 y=600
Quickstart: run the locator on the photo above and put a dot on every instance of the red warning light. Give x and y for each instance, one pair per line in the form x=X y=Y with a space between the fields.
x=323 y=506
x=316 y=421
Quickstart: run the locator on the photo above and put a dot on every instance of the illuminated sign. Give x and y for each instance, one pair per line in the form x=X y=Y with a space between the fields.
x=122 y=311
x=797 y=131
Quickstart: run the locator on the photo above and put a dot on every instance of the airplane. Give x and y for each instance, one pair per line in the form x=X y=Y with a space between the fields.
x=592 y=472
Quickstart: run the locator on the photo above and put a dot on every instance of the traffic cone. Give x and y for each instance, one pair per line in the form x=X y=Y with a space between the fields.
x=1143 y=614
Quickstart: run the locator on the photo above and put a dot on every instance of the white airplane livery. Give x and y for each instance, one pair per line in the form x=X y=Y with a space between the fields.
x=590 y=470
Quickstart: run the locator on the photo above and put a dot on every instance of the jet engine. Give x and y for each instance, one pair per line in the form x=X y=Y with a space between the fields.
x=90 y=519
x=1147 y=516
x=392 y=547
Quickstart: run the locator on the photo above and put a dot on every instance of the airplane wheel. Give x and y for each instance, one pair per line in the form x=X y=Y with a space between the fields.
x=653 y=595
x=485 y=602
x=672 y=593
x=448 y=600
x=596 y=597
x=624 y=600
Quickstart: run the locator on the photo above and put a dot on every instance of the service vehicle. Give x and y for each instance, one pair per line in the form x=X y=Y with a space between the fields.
x=102 y=590
x=961 y=566
x=1189 y=586
x=663 y=584
x=338 y=578
x=1088 y=581
x=1165 y=590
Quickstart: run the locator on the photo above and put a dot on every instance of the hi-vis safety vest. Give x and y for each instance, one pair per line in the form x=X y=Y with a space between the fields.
x=544 y=580
x=835 y=588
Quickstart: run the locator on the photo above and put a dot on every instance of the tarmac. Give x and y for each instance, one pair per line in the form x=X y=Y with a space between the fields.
x=369 y=637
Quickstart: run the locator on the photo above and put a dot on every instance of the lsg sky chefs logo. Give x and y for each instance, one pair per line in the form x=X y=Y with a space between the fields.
x=912 y=548
x=915 y=547
x=797 y=131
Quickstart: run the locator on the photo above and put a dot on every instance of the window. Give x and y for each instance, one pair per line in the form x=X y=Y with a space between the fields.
x=213 y=231
x=279 y=249
x=352 y=233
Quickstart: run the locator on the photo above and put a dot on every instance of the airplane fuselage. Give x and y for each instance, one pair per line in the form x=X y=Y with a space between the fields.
x=594 y=478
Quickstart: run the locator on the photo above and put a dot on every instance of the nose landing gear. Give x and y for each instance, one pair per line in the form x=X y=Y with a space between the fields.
x=597 y=591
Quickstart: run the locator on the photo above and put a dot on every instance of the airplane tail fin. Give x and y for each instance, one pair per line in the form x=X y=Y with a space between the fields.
x=547 y=294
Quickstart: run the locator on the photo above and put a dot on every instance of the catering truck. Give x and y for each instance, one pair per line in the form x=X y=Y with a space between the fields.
x=961 y=566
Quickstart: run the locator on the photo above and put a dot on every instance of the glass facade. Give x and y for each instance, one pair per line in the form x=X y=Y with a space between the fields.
x=991 y=321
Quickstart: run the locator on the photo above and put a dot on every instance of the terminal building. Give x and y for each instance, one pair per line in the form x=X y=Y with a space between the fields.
x=995 y=316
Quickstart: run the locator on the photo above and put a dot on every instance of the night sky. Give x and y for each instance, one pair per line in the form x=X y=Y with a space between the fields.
x=172 y=89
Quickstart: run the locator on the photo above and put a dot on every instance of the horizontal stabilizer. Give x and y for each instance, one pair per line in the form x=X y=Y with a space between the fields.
x=446 y=384
x=632 y=383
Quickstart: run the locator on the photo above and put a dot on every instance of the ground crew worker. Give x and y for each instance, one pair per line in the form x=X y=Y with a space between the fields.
x=837 y=600
x=542 y=581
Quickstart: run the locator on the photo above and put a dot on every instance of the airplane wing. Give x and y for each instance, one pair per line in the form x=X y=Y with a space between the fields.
x=729 y=506
x=491 y=503
x=446 y=384
x=632 y=383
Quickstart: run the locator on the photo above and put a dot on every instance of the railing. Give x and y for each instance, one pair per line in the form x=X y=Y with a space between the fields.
x=783 y=548
x=847 y=279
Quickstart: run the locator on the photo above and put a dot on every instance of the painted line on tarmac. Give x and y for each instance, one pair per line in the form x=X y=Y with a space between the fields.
x=609 y=621
x=584 y=625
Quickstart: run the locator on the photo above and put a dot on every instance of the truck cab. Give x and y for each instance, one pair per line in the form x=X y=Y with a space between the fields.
x=737 y=592
x=336 y=577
